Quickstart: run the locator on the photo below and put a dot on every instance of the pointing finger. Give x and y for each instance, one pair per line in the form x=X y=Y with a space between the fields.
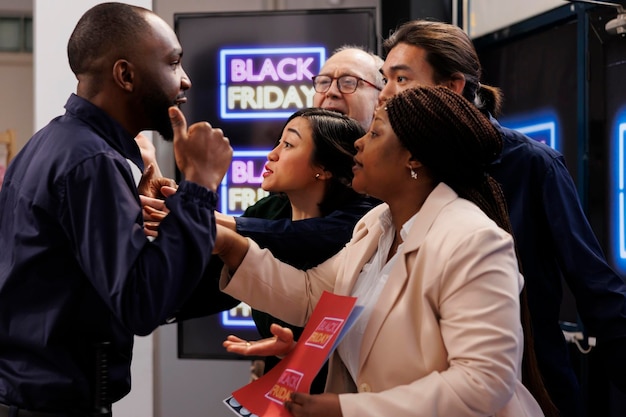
x=179 y=124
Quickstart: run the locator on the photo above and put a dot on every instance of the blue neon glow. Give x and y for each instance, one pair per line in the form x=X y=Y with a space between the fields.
x=226 y=319
x=534 y=131
x=618 y=191
x=225 y=54
x=258 y=155
x=541 y=127
x=229 y=321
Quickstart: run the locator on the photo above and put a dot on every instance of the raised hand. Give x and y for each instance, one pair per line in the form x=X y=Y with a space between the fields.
x=154 y=211
x=151 y=182
x=148 y=152
x=203 y=154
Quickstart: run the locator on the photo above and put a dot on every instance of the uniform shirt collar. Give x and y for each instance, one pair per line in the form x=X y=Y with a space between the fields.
x=107 y=127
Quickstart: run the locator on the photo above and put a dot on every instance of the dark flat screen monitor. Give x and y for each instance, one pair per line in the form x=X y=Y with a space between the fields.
x=249 y=72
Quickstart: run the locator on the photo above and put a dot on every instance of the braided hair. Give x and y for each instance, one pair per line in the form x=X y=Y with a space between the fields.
x=457 y=143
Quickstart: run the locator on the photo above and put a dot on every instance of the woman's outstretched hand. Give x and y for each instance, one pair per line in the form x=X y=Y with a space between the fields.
x=279 y=345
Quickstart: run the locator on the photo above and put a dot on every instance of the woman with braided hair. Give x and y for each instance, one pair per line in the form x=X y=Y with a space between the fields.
x=433 y=267
x=554 y=239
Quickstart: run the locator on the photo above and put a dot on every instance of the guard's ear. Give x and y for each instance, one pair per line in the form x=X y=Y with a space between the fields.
x=456 y=82
x=124 y=74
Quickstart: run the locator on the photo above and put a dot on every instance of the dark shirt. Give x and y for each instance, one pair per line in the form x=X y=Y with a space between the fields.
x=75 y=266
x=555 y=241
x=302 y=244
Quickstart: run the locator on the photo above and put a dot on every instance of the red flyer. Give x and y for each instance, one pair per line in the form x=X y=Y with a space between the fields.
x=332 y=317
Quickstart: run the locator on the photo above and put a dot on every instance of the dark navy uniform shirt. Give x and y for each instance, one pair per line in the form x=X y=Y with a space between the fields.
x=75 y=266
x=555 y=241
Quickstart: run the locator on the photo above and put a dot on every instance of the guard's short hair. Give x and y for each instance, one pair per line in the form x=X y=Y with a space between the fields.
x=107 y=28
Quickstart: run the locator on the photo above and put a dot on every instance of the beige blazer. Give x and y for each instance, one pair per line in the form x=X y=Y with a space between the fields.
x=444 y=338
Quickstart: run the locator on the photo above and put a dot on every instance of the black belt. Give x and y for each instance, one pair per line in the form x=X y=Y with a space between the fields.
x=6 y=411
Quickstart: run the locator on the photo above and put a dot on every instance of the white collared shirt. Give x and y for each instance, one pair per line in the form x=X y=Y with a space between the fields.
x=367 y=289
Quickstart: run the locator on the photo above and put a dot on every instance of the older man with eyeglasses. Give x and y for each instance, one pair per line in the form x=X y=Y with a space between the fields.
x=349 y=82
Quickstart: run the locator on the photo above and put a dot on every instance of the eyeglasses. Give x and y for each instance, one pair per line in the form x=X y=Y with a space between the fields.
x=346 y=84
